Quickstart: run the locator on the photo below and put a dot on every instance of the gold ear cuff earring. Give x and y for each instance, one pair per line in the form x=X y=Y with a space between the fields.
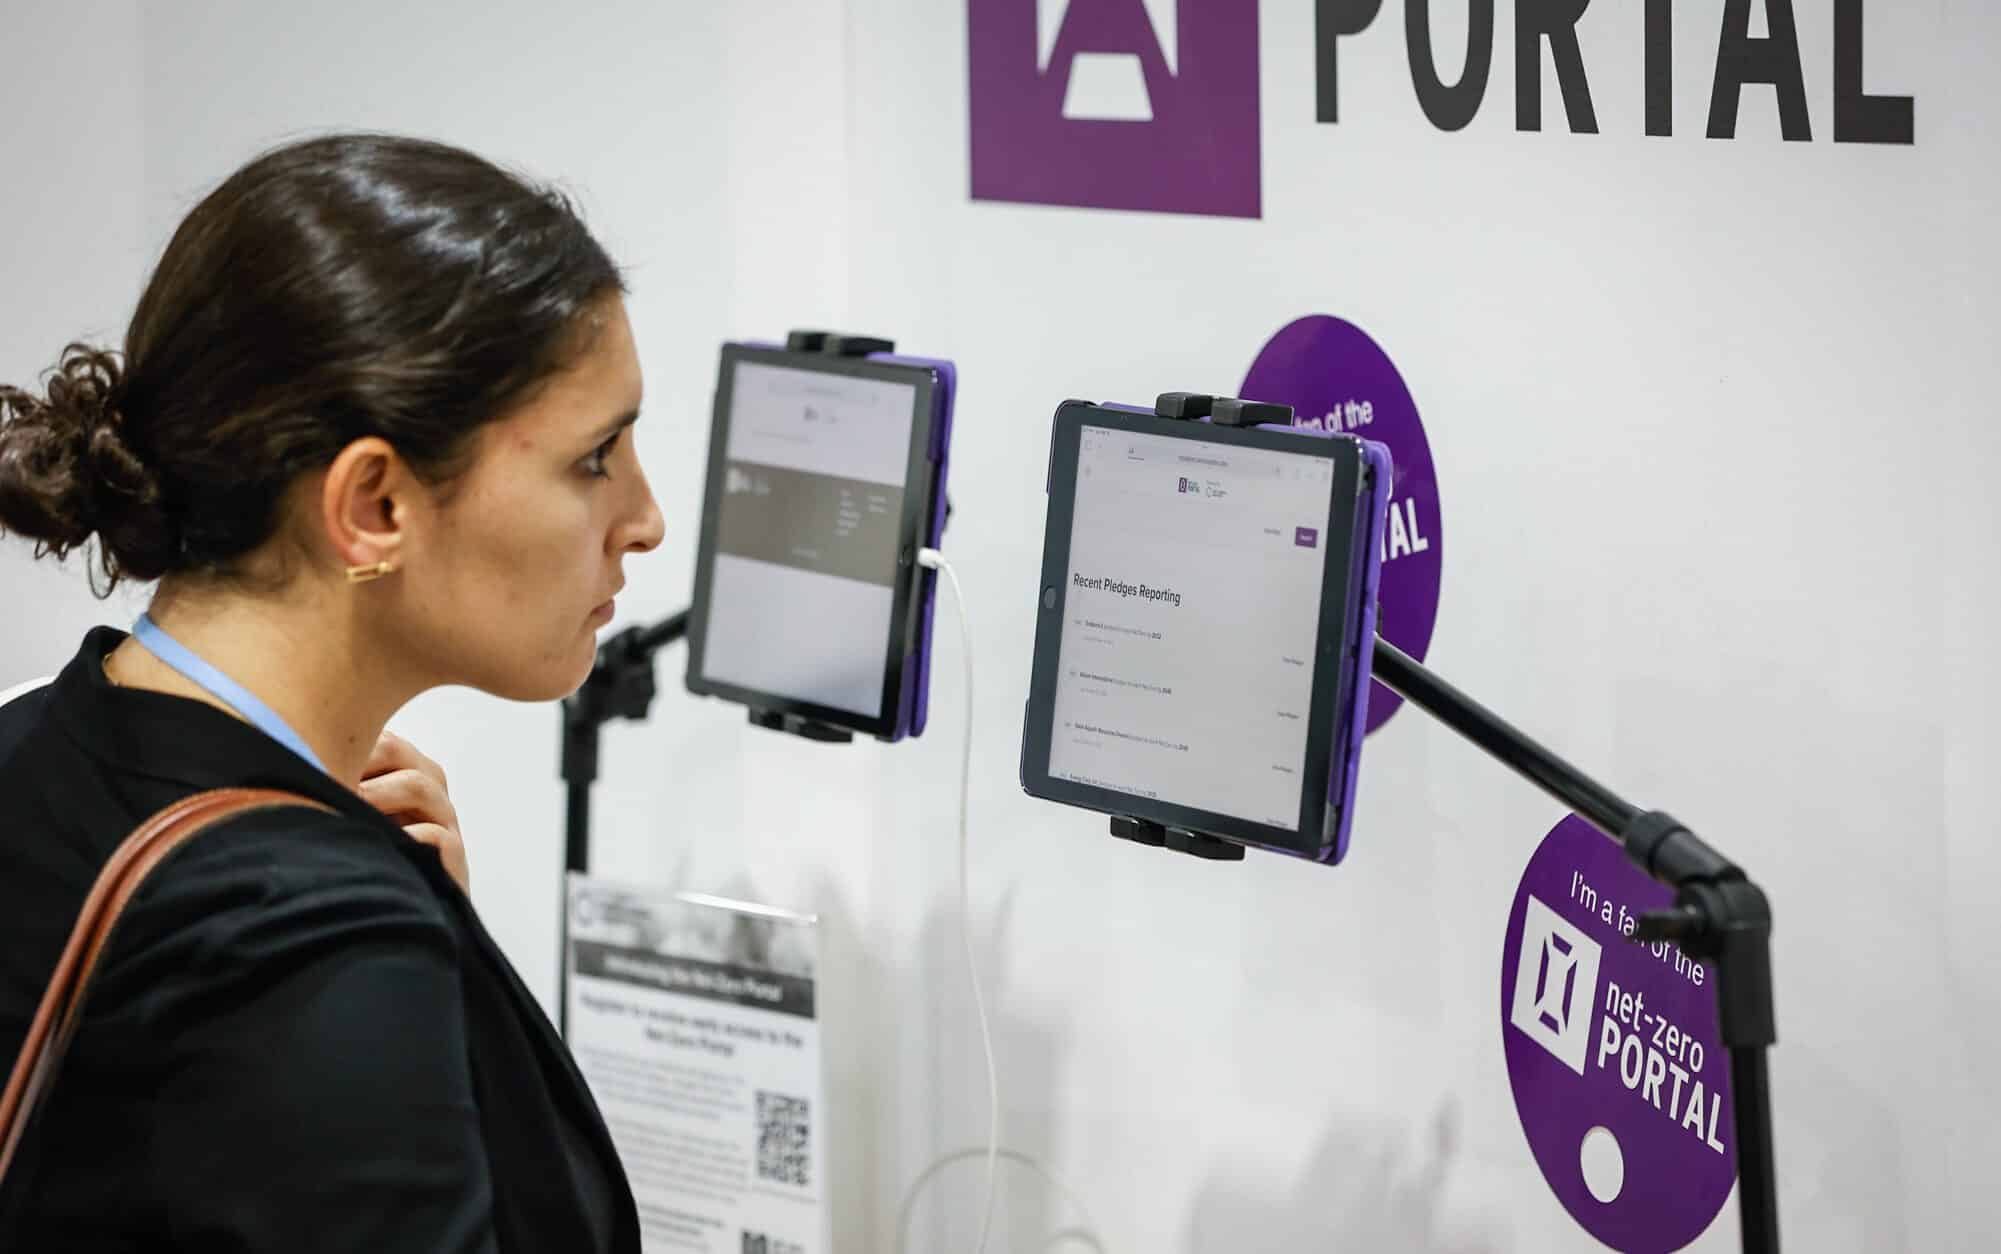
x=376 y=570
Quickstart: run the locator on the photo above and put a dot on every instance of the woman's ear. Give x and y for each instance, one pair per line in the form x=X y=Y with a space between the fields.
x=364 y=505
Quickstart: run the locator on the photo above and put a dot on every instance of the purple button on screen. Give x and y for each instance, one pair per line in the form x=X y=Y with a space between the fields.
x=1305 y=537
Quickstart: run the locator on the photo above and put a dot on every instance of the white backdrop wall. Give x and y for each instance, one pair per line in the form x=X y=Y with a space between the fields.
x=76 y=257
x=1711 y=427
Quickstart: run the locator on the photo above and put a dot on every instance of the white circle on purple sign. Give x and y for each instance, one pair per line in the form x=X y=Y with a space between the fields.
x=1336 y=378
x=1603 y=1164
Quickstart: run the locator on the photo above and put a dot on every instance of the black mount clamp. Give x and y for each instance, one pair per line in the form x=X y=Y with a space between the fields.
x=836 y=343
x=620 y=685
x=1718 y=913
x=795 y=725
x=1179 y=839
x=1222 y=411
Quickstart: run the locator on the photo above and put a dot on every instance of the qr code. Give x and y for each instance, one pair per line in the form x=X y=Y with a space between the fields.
x=784 y=1139
x=758 y=1243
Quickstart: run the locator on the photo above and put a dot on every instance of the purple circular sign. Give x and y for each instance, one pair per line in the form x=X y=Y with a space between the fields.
x=1337 y=379
x=1619 y=1073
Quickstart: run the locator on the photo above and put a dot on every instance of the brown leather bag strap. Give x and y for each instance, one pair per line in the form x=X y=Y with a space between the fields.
x=56 y=1019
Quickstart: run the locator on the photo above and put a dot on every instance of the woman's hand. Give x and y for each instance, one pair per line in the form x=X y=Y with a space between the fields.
x=410 y=789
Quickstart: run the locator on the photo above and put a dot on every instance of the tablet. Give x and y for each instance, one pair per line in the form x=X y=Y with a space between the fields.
x=1205 y=626
x=826 y=475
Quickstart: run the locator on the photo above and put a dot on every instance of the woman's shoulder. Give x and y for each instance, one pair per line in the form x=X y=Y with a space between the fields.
x=300 y=844
x=21 y=707
x=273 y=892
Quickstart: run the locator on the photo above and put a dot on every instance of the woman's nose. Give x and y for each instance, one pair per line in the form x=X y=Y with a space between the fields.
x=649 y=527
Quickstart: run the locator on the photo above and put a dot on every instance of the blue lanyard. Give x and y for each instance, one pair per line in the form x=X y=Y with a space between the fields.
x=221 y=687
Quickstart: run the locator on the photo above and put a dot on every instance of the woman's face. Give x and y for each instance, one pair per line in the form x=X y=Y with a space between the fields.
x=516 y=568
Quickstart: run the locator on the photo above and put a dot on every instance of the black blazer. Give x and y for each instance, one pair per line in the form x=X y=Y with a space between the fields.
x=301 y=1038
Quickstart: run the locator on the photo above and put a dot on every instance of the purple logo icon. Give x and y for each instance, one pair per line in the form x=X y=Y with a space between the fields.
x=1619 y=1073
x=1338 y=379
x=1116 y=104
x=1184 y=485
x=1306 y=537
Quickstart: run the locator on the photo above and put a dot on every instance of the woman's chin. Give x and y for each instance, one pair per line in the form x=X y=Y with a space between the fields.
x=545 y=682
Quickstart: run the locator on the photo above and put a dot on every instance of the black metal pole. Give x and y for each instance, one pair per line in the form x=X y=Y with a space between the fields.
x=1757 y=1171
x=1718 y=913
x=577 y=830
x=1599 y=805
x=576 y=857
x=620 y=686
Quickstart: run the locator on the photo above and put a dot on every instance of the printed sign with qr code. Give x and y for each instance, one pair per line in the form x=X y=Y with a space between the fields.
x=784 y=1139
x=695 y=1022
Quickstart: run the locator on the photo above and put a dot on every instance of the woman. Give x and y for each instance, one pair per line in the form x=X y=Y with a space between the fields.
x=370 y=434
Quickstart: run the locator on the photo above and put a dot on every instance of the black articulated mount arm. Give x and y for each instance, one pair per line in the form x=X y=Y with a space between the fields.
x=620 y=686
x=1718 y=913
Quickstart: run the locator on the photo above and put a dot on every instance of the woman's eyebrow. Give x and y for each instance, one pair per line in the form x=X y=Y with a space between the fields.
x=615 y=426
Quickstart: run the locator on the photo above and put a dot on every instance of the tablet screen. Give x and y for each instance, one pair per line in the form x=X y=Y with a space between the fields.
x=806 y=534
x=1191 y=611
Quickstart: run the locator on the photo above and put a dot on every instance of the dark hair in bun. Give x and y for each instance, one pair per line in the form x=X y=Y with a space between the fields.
x=336 y=288
x=66 y=474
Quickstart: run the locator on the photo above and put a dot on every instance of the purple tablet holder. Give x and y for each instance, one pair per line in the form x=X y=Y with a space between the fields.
x=1345 y=759
x=1346 y=765
x=913 y=709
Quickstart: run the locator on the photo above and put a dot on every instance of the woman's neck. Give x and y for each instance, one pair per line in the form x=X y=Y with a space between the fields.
x=312 y=668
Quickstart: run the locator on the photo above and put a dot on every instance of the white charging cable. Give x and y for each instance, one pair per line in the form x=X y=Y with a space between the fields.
x=1085 y=1235
x=932 y=559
